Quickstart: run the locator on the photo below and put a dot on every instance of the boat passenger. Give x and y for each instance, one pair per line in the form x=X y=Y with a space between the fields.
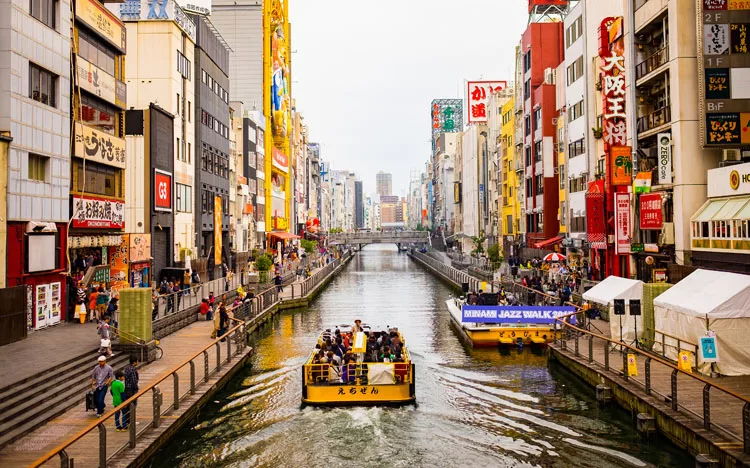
x=357 y=327
x=327 y=335
x=480 y=298
x=386 y=356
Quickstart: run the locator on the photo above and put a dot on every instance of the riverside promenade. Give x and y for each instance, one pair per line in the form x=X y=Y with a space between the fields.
x=172 y=390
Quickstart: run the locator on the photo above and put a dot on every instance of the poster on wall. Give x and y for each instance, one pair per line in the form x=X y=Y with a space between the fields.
x=42 y=306
x=118 y=264
x=217 y=230
x=55 y=304
x=622 y=223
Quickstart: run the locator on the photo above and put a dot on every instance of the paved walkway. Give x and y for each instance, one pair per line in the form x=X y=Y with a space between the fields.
x=46 y=348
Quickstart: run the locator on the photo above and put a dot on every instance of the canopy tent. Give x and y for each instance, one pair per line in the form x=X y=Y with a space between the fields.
x=708 y=300
x=614 y=287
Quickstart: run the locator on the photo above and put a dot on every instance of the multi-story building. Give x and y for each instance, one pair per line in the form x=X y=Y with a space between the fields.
x=160 y=71
x=359 y=209
x=542 y=50
x=509 y=206
x=35 y=148
x=241 y=199
x=211 y=114
x=383 y=183
x=98 y=163
x=474 y=203
x=313 y=185
x=391 y=212
x=255 y=124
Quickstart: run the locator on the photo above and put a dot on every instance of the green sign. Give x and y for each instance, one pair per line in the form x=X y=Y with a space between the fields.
x=101 y=275
x=636 y=247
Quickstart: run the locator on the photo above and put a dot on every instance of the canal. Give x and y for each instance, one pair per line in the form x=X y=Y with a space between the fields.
x=475 y=407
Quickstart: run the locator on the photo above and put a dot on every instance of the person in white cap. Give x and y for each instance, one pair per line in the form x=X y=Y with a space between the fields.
x=100 y=380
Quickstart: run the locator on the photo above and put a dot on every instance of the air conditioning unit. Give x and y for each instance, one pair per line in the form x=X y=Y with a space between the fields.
x=731 y=155
x=667 y=234
x=549 y=76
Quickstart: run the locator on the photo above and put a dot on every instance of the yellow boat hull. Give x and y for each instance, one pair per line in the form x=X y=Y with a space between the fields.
x=506 y=336
x=335 y=395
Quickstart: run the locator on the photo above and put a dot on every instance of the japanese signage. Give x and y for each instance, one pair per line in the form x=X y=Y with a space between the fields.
x=621 y=165
x=613 y=89
x=354 y=392
x=664 y=140
x=456 y=192
x=217 y=229
x=514 y=314
x=659 y=275
x=101 y=275
x=723 y=90
x=477 y=96
x=277 y=73
x=447 y=116
x=162 y=190
x=651 y=215
x=118 y=265
x=98 y=18
x=99 y=147
x=140 y=247
x=141 y=10
x=622 y=223
x=98 y=213
x=96 y=81
x=729 y=181
x=280 y=160
x=595 y=222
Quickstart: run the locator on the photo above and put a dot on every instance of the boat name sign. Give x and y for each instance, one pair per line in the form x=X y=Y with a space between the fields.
x=515 y=314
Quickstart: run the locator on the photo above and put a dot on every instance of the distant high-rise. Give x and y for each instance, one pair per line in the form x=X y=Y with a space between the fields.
x=383 y=183
x=359 y=208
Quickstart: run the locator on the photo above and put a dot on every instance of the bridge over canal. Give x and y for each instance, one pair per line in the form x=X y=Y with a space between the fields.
x=381 y=237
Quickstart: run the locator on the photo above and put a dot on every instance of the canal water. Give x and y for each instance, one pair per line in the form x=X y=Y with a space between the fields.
x=476 y=408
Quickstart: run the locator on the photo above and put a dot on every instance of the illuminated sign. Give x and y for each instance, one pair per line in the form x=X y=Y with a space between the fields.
x=477 y=96
x=93 y=145
x=98 y=213
x=162 y=190
x=621 y=165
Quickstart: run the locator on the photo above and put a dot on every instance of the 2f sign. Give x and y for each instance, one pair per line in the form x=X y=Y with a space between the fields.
x=162 y=191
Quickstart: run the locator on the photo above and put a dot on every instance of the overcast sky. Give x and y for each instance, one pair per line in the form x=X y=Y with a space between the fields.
x=364 y=73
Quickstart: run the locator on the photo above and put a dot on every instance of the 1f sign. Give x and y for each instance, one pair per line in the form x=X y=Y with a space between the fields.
x=665 y=158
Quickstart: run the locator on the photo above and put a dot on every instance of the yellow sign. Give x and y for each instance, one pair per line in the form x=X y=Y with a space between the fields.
x=632 y=366
x=734 y=180
x=102 y=21
x=100 y=147
x=217 y=230
x=683 y=361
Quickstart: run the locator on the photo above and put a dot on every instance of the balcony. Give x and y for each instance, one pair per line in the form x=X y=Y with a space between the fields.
x=655 y=119
x=656 y=60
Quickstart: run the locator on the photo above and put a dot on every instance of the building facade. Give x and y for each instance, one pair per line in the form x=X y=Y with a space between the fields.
x=383 y=183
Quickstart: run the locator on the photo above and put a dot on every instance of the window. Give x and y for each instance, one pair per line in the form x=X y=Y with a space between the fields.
x=99 y=179
x=575 y=111
x=44 y=10
x=93 y=50
x=38 y=167
x=562 y=176
x=538 y=151
x=576 y=148
x=578 y=184
x=509 y=224
x=575 y=70
x=177 y=149
x=539 y=183
x=528 y=156
x=538 y=118
x=178 y=103
x=574 y=31
x=184 y=198
x=563 y=213
x=42 y=85
x=189 y=153
x=98 y=114
x=189 y=110
x=204 y=201
x=203 y=76
x=527 y=61
x=527 y=125
x=183 y=65
x=527 y=89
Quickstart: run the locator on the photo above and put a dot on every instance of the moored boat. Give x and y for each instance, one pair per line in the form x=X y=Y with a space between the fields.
x=491 y=324
x=368 y=374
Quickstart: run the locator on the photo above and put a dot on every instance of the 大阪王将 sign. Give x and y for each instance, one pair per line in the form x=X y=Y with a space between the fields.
x=543 y=315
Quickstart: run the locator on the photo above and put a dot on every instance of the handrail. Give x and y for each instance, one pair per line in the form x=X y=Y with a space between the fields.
x=95 y=424
x=672 y=336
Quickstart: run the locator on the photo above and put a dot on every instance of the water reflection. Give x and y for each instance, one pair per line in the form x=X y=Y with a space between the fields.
x=475 y=407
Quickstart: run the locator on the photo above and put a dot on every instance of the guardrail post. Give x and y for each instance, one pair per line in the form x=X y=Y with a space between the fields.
x=674 y=389
x=102 y=445
x=591 y=349
x=229 y=345
x=131 y=424
x=576 y=345
x=648 y=375
x=176 y=380
x=218 y=356
x=624 y=364
x=746 y=427
x=157 y=407
x=64 y=460
x=205 y=366
x=606 y=355
x=707 y=407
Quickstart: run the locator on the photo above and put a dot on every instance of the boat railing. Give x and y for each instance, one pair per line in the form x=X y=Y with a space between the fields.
x=355 y=373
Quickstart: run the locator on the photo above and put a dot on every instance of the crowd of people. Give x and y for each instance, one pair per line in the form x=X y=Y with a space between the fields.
x=334 y=361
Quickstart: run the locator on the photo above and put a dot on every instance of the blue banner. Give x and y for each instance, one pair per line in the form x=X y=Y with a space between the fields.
x=515 y=314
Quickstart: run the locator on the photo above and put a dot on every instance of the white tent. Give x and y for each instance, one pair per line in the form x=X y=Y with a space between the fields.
x=709 y=300
x=614 y=287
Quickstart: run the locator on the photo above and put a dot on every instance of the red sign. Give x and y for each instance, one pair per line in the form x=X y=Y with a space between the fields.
x=622 y=223
x=651 y=216
x=280 y=160
x=596 y=228
x=98 y=213
x=478 y=94
x=162 y=190
x=435 y=116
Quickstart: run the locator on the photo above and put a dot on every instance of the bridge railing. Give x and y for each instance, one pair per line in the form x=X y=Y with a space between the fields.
x=354 y=236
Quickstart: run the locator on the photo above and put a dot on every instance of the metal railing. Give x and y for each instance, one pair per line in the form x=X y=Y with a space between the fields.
x=237 y=335
x=671 y=341
x=655 y=119
x=303 y=288
x=656 y=60
x=319 y=374
x=711 y=392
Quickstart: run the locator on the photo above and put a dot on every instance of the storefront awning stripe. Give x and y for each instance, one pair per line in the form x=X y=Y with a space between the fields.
x=730 y=208
x=744 y=212
x=708 y=210
x=282 y=235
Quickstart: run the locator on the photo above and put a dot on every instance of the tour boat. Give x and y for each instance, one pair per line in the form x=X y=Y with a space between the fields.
x=362 y=381
x=499 y=325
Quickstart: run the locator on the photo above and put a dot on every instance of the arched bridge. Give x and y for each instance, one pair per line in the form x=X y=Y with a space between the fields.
x=380 y=237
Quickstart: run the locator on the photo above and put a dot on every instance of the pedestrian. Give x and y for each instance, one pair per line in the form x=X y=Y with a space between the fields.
x=223 y=322
x=217 y=322
x=100 y=380
x=102 y=301
x=117 y=390
x=279 y=283
x=205 y=308
x=105 y=343
x=131 y=388
x=196 y=282
x=92 y=303
x=211 y=302
x=81 y=299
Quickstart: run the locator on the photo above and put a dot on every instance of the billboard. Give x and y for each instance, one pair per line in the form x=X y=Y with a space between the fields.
x=621 y=165
x=217 y=229
x=477 y=96
x=162 y=190
x=724 y=80
x=515 y=314
x=622 y=223
x=98 y=213
x=447 y=116
x=596 y=227
x=651 y=215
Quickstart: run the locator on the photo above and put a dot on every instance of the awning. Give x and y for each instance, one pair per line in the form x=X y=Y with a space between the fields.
x=283 y=235
x=724 y=209
x=548 y=242
x=614 y=287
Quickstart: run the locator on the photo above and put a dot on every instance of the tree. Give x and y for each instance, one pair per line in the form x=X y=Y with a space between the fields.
x=308 y=245
x=493 y=252
x=420 y=227
x=263 y=264
x=478 y=241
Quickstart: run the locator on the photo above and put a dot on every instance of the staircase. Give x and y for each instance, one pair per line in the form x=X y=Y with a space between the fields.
x=32 y=402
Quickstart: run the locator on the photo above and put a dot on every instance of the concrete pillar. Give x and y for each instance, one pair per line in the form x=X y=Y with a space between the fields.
x=704 y=460
x=603 y=394
x=645 y=424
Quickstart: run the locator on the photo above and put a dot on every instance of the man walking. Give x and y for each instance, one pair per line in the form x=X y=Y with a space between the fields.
x=131 y=388
x=100 y=380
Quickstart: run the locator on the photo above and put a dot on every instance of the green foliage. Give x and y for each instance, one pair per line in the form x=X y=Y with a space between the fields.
x=478 y=240
x=420 y=227
x=493 y=252
x=308 y=245
x=336 y=230
x=263 y=263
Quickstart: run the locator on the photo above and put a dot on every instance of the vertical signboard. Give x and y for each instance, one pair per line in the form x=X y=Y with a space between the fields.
x=664 y=141
x=622 y=223
x=447 y=116
x=595 y=223
x=477 y=96
x=217 y=229
x=724 y=85
x=621 y=165
x=651 y=214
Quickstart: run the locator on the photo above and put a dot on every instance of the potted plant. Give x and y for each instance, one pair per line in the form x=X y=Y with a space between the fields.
x=598 y=132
